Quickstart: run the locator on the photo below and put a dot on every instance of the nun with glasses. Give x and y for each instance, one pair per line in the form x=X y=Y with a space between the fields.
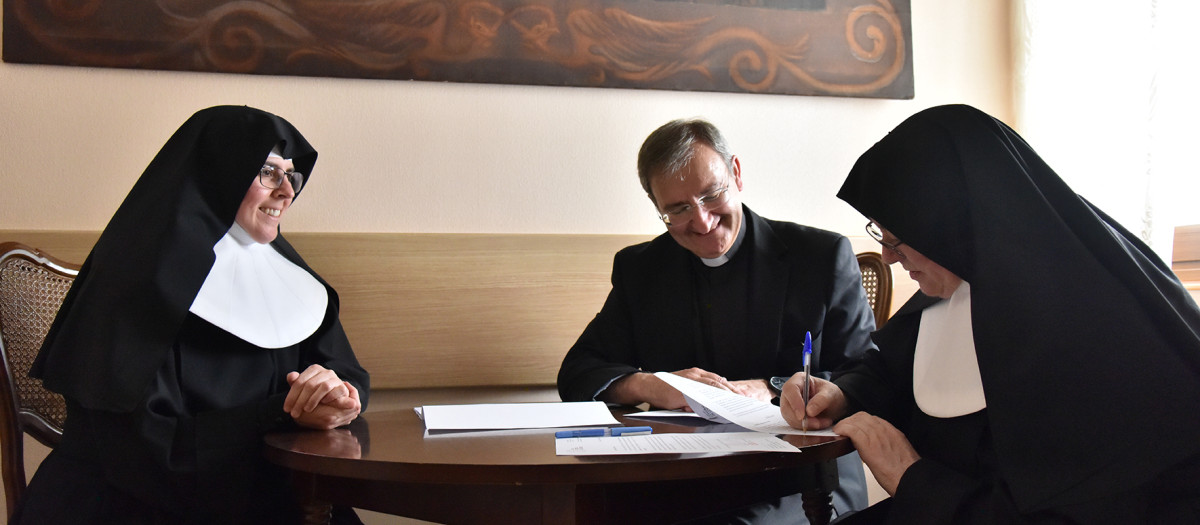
x=193 y=329
x=1048 y=370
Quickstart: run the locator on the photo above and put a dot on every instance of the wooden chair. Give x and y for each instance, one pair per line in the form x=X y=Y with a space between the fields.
x=32 y=287
x=877 y=281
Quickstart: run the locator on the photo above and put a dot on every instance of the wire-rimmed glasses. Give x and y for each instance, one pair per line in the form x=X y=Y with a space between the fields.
x=273 y=177
x=877 y=233
x=681 y=214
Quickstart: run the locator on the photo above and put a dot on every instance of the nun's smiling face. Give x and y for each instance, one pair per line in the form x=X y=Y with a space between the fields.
x=263 y=207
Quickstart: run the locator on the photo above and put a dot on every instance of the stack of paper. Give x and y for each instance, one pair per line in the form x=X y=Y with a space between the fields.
x=762 y=419
x=724 y=406
x=722 y=442
x=504 y=416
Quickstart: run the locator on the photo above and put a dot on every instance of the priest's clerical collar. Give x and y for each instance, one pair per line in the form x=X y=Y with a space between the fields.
x=725 y=257
x=255 y=293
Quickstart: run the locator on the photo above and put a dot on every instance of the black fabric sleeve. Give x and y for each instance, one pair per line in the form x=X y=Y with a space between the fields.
x=332 y=350
x=849 y=321
x=881 y=383
x=602 y=353
x=219 y=434
x=934 y=494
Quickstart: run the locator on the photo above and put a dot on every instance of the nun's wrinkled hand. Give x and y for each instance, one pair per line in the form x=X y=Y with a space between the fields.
x=826 y=404
x=312 y=387
x=334 y=414
x=885 y=450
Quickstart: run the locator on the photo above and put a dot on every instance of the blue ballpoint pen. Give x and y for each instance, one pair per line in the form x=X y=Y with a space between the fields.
x=807 y=370
x=632 y=431
x=579 y=433
x=600 y=432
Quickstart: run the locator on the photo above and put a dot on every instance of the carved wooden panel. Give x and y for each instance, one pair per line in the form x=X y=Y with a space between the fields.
x=858 y=48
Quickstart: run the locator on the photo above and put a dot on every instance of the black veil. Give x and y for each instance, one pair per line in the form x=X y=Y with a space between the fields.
x=133 y=292
x=1088 y=345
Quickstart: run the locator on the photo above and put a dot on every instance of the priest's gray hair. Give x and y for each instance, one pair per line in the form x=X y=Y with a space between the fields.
x=671 y=147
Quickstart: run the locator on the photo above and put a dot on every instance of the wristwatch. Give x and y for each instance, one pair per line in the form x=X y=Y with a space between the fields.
x=776 y=383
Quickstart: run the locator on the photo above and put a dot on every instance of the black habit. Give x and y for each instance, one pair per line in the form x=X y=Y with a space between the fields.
x=166 y=411
x=1087 y=344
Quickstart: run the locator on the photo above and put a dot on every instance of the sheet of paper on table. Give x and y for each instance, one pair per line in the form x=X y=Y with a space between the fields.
x=666 y=414
x=672 y=444
x=499 y=416
x=724 y=406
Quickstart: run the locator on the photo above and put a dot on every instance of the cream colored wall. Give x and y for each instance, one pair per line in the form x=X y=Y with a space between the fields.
x=400 y=156
x=431 y=157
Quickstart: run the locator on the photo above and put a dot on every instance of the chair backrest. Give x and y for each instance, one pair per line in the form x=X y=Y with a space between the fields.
x=32 y=287
x=877 y=281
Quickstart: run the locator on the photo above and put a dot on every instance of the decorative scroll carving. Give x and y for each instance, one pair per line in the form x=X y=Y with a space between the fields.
x=807 y=47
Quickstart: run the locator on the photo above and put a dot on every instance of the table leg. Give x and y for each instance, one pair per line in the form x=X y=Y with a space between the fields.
x=316 y=513
x=314 y=510
x=818 y=506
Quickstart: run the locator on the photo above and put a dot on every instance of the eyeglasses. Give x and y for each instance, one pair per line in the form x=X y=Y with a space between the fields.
x=273 y=178
x=874 y=231
x=681 y=214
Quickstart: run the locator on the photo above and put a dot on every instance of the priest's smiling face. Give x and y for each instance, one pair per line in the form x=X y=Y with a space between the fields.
x=263 y=207
x=708 y=192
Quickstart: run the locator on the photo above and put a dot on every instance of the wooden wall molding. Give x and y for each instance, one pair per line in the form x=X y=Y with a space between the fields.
x=444 y=310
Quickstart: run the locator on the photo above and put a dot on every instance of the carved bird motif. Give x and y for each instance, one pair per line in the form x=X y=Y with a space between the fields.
x=632 y=47
x=385 y=34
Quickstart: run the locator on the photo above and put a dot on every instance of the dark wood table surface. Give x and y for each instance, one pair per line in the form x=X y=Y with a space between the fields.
x=386 y=462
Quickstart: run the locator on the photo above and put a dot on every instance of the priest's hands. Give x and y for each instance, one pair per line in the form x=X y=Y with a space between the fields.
x=319 y=399
x=885 y=450
x=643 y=387
x=755 y=388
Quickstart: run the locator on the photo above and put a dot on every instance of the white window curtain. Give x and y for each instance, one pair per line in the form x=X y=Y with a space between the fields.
x=1106 y=92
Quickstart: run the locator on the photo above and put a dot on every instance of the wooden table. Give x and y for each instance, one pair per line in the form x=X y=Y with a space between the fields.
x=385 y=462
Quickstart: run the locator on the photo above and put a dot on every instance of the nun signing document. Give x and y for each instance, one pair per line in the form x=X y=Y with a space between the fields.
x=192 y=329
x=1048 y=370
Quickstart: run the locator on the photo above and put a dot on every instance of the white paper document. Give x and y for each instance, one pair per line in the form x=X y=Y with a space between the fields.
x=665 y=414
x=673 y=444
x=723 y=406
x=515 y=415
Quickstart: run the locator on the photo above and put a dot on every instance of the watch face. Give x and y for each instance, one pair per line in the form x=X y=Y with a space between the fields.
x=777 y=383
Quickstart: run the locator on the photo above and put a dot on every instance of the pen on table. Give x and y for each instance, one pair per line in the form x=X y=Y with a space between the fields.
x=599 y=432
x=631 y=431
x=807 y=370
